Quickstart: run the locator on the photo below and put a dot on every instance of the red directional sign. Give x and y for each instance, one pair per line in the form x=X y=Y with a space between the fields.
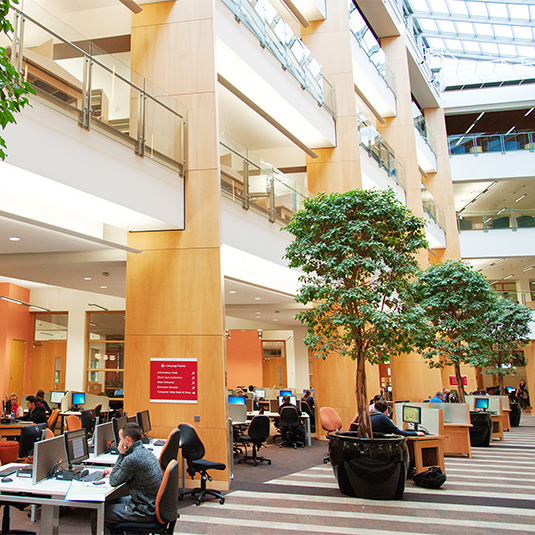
x=173 y=380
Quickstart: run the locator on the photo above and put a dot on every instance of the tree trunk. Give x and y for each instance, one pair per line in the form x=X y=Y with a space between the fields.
x=460 y=387
x=365 y=426
x=500 y=383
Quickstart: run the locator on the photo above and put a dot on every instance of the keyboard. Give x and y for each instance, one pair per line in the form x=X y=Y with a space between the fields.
x=158 y=442
x=7 y=472
x=93 y=476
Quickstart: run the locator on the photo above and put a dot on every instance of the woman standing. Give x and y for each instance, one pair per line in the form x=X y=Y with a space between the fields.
x=522 y=394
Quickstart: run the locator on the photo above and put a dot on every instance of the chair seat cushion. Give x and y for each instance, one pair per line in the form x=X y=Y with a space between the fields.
x=203 y=464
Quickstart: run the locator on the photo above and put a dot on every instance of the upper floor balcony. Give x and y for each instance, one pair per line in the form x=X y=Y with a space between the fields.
x=425 y=145
x=435 y=221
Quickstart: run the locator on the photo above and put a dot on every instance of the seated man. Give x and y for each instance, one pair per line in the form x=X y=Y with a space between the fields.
x=140 y=471
x=381 y=423
x=36 y=411
x=286 y=402
x=438 y=398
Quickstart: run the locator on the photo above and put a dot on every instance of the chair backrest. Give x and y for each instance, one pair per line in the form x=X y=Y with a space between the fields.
x=73 y=423
x=330 y=421
x=305 y=407
x=190 y=442
x=289 y=416
x=88 y=419
x=167 y=497
x=259 y=428
x=49 y=433
x=97 y=410
x=52 y=420
x=9 y=451
x=170 y=449
x=237 y=412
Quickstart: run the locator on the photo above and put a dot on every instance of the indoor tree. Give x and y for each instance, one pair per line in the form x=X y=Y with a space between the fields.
x=13 y=89
x=357 y=254
x=507 y=325
x=456 y=300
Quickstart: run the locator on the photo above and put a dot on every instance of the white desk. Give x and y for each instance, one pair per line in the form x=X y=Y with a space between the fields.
x=50 y=494
x=109 y=459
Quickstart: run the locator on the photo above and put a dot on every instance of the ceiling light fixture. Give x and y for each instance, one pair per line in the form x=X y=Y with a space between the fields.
x=492 y=283
x=527 y=113
x=502 y=210
x=260 y=334
x=98 y=307
x=14 y=238
x=510 y=130
x=528 y=269
x=19 y=302
x=232 y=291
x=87 y=278
x=132 y=6
x=508 y=277
x=521 y=197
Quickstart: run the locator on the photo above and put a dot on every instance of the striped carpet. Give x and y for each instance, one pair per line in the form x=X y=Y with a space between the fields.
x=492 y=493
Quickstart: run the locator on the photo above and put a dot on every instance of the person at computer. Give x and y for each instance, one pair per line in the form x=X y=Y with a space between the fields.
x=13 y=408
x=41 y=398
x=381 y=423
x=36 y=411
x=307 y=396
x=140 y=471
x=438 y=398
x=286 y=402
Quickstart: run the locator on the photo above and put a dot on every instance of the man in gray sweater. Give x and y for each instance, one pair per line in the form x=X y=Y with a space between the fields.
x=140 y=471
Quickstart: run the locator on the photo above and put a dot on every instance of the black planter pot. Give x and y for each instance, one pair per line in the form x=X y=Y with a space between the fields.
x=515 y=414
x=481 y=430
x=373 y=468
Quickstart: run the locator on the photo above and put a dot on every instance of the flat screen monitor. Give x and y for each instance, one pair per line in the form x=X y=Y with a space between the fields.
x=510 y=389
x=412 y=415
x=293 y=400
x=118 y=423
x=131 y=419
x=76 y=447
x=78 y=398
x=482 y=404
x=56 y=396
x=29 y=435
x=285 y=393
x=48 y=454
x=103 y=438
x=260 y=393
x=143 y=420
x=240 y=400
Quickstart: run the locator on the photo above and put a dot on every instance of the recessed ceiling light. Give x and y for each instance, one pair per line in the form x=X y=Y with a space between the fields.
x=103 y=287
x=275 y=319
x=232 y=291
x=14 y=238
x=87 y=278
x=258 y=298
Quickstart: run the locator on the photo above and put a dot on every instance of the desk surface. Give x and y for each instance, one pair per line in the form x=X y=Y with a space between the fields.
x=109 y=459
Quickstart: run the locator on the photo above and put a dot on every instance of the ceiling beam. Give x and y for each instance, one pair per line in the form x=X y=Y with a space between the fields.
x=473 y=18
x=482 y=39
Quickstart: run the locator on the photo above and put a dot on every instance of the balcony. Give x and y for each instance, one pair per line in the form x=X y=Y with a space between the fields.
x=425 y=146
x=435 y=221
x=496 y=143
x=493 y=220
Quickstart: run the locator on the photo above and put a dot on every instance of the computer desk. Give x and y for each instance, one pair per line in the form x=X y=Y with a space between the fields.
x=426 y=451
x=109 y=459
x=12 y=430
x=51 y=494
x=304 y=416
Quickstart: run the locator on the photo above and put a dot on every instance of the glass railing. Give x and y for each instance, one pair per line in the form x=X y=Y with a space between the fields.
x=477 y=144
x=257 y=185
x=421 y=126
x=380 y=151
x=432 y=209
x=276 y=36
x=496 y=219
x=78 y=79
x=370 y=45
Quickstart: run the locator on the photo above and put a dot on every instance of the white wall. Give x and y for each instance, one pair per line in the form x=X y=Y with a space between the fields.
x=493 y=165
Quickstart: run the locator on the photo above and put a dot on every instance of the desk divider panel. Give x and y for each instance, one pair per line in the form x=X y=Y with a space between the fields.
x=431 y=417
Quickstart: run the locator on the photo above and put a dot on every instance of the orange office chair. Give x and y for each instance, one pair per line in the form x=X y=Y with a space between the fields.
x=330 y=421
x=73 y=423
x=9 y=451
x=170 y=449
x=49 y=434
x=53 y=420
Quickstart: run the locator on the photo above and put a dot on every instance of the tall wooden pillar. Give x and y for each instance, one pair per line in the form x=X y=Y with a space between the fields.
x=174 y=294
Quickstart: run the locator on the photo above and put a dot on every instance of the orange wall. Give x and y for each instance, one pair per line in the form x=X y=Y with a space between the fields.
x=15 y=322
x=244 y=359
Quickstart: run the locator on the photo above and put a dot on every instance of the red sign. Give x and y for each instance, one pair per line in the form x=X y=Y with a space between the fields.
x=173 y=380
x=453 y=380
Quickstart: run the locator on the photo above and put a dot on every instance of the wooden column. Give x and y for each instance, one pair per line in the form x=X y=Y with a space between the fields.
x=174 y=294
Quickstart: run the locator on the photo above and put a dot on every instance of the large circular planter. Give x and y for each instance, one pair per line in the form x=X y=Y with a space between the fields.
x=373 y=468
x=481 y=430
x=515 y=414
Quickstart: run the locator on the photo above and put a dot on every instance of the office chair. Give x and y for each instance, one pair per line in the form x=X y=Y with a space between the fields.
x=330 y=421
x=292 y=431
x=97 y=410
x=170 y=449
x=305 y=407
x=49 y=434
x=73 y=423
x=193 y=451
x=257 y=434
x=9 y=451
x=88 y=418
x=163 y=522
x=53 y=420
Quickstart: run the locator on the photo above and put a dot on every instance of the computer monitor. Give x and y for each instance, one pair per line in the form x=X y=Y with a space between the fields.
x=131 y=419
x=285 y=393
x=260 y=393
x=412 y=415
x=143 y=420
x=482 y=404
x=29 y=435
x=240 y=400
x=76 y=447
x=48 y=454
x=118 y=423
x=293 y=400
x=510 y=389
x=78 y=398
x=56 y=396
x=103 y=438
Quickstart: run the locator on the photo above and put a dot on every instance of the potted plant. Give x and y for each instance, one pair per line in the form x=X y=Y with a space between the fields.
x=357 y=254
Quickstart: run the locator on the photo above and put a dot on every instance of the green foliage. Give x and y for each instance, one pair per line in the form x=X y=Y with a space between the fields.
x=13 y=89
x=356 y=252
x=507 y=325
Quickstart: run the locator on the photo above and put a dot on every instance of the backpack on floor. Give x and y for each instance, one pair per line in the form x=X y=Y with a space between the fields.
x=432 y=478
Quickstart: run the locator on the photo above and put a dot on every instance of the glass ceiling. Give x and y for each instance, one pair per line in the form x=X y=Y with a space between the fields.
x=461 y=34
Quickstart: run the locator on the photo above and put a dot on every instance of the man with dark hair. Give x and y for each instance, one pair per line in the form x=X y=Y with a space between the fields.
x=140 y=471
x=381 y=423
x=286 y=402
x=36 y=411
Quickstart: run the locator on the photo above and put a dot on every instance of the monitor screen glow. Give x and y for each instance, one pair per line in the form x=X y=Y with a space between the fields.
x=293 y=400
x=56 y=396
x=260 y=393
x=482 y=404
x=412 y=415
x=285 y=393
x=238 y=400
x=78 y=398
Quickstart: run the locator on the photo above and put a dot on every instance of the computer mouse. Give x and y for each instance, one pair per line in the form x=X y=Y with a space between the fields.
x=7 y=480
x=99 y=482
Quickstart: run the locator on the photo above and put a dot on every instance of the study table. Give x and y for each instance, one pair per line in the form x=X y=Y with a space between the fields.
x=51 y=494
x=426 y=451
x=12 y=429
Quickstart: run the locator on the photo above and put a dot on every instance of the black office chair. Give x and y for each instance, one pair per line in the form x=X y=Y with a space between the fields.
x=193 y=451
x=170 y=449
x=257 y=434
x=292 y=431
x=89 y=418
x=305 y=407
x=163 y=522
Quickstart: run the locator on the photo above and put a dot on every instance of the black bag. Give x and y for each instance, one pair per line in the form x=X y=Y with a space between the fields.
x=432 y=478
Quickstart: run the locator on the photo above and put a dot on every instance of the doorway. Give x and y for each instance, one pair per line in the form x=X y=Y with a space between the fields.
x=17 y=367
x=274 y=372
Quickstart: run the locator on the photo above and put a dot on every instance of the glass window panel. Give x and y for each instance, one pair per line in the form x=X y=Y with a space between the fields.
x=109 y=383
x=428 y=24
x=521 y=32
x=446 y=26
x=106 y=326
x=477 y=8
x=436 y=43
x=466 y=28
x=503 y=31
x=484 y=29
x=472 y=46
x=51 y=326
x=458 y=8
x=489 y=48
x=106 y=355
x=420 y=5
x=452 y=44
x=518 y=11
x=526 y=51
x=439 y=6
x=498 y=10
x=508 y=50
